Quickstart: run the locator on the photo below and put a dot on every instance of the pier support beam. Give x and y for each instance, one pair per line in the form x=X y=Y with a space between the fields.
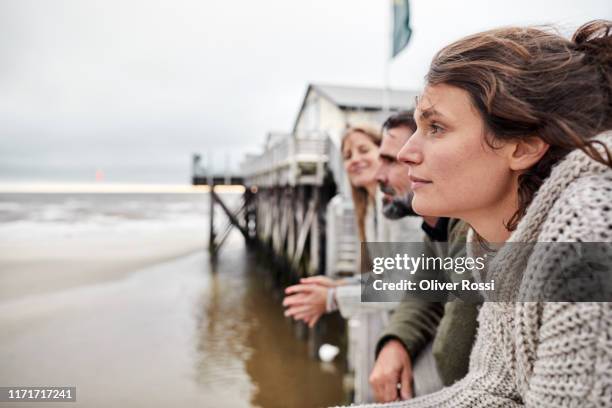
x=290 y=230
x=212 y=247
x=234 y=221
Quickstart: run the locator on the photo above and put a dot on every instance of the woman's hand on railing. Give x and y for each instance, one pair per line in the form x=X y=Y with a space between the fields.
x=306 y=302
x=321 y=281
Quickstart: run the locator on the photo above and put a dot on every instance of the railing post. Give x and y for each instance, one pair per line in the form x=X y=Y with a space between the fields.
x=315 y=265
x=212 y=248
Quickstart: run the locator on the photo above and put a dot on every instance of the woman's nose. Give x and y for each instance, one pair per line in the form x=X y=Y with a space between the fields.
x=357 y=158
x=411 y=152
x=351 y=162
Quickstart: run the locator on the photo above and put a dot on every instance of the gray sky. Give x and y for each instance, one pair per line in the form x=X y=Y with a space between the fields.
x=134 y=87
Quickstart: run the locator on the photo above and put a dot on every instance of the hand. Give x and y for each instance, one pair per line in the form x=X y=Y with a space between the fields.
x=322 y=281
x=392 y=366
x=305 y=302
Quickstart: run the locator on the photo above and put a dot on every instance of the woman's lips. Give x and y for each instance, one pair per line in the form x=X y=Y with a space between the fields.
x=358 y=168
x=417 y=182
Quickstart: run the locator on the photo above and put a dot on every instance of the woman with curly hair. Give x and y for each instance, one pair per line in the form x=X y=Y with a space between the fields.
x=518 y=121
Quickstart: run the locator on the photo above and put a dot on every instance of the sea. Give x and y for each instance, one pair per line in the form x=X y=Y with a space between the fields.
x=115 y=294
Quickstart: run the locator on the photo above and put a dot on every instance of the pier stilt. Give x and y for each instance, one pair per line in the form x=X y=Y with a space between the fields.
x=212 y=247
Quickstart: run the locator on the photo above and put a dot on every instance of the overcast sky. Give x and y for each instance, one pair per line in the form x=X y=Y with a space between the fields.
x=134 y=87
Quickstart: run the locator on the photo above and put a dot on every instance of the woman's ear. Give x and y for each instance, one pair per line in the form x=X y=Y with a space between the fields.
x=527 y=152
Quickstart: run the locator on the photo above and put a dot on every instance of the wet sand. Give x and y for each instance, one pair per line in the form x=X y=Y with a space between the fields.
x=135 y=327
x=28 y=268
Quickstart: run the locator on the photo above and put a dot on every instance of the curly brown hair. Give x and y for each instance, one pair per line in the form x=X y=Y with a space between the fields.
x=527 y=82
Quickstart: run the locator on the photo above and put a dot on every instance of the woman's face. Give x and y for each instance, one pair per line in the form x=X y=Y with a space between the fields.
x=360 y=159
x=453 y=171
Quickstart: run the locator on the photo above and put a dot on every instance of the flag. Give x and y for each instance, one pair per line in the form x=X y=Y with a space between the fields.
x=401 y=26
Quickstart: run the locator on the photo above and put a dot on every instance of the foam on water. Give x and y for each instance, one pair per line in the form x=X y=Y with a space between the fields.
x=39 y=216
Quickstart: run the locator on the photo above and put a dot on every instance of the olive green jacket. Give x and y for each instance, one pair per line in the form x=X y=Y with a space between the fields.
x=451 y=325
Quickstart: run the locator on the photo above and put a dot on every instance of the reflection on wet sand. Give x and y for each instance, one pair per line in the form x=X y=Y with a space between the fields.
x=243 y=324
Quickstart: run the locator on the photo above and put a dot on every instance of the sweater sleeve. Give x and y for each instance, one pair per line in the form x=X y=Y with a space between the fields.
x=569 y=367
x=348 y=298
x=490 y=381
x=572 y=363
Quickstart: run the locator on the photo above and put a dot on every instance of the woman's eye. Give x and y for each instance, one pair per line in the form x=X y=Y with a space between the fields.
x=434 y=129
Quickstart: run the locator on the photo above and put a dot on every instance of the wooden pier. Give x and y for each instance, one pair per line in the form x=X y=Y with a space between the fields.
x=296 y=207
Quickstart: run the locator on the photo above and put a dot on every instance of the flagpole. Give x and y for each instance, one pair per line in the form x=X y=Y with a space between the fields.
x=399 y=37
x=387 y=68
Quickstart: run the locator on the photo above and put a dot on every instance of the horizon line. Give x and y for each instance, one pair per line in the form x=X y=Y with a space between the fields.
x=103 y=187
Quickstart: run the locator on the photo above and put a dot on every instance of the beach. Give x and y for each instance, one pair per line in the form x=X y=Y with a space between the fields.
x=118 y=297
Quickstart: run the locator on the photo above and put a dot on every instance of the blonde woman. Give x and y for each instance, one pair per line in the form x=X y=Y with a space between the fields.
x=314 y=296
x=360 y=154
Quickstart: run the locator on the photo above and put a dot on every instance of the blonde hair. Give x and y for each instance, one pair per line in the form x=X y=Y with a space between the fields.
x=360 y=194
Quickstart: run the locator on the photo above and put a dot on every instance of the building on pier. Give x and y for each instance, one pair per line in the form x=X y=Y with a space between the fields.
x=297 y=203
x=326 y=111
x=298 y=172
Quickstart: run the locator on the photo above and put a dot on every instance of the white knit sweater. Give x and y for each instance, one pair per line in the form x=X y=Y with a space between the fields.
x=545 y=354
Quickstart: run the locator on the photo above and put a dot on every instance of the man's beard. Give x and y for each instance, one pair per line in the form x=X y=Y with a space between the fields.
x=398 y=207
